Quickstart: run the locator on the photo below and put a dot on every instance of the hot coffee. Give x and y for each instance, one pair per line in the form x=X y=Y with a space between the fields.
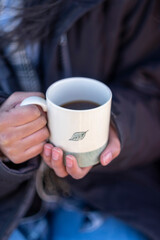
x=80 y=105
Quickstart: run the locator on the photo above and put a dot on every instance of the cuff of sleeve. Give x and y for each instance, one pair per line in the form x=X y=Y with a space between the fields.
x=19 y=169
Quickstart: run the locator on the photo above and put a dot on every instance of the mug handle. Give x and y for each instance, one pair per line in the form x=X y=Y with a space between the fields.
x=35 y=100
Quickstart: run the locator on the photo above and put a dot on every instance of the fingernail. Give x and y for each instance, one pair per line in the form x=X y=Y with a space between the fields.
x=106 y=158
x=47 y=151
x=69 y=161
x=55 y=154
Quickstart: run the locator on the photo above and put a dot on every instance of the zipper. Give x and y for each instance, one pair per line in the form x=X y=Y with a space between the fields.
x=65 y=57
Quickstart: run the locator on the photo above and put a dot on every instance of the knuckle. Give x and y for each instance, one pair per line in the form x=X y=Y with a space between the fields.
x=16 y=159
x=43 y=121
x=14 y=155
x=10 y=152
x=45 y=132
x=39 y=149
x=4 y=139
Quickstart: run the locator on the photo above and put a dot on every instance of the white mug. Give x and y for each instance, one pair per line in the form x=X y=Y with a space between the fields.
x=82 y=133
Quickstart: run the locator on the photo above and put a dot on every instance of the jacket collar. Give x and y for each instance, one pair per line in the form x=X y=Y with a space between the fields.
x=73 y=10
x=71 y=13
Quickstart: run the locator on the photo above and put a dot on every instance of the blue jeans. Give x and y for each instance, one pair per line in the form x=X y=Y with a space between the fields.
x=71 y=224
x=32 y=230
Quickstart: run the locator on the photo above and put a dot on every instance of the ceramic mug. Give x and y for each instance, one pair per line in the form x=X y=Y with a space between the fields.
x=82 y=133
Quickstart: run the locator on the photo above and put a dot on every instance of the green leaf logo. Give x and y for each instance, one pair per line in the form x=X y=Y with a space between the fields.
x=77 y=136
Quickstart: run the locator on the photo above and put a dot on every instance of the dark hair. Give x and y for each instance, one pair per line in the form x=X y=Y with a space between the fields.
x=37 y=20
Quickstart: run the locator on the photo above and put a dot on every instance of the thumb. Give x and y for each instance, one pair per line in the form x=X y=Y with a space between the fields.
x=112 y=150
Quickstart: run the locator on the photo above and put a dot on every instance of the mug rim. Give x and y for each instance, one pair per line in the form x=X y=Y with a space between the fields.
x=75 y=110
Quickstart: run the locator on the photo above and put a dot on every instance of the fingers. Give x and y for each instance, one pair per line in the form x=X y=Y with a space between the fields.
x=47 y=153
x=28 y=154
x=27 y=129
x=23 y=130
x=35 y=138
x=57 y=162
x=53 y=156
x=18 y=150
x=17 y=98
x=19 y=116
x=112 y=150
x=73 y=169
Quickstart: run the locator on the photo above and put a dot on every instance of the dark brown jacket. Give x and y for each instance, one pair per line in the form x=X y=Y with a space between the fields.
x=118 y=43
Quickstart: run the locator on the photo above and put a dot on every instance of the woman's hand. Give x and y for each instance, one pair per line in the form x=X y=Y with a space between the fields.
x=113 y=148
x=53 y=156
x=23 y=130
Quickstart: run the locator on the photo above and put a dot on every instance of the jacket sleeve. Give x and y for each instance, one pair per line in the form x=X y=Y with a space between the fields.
x=136 y=116
x=13 y=176
x=136 y=88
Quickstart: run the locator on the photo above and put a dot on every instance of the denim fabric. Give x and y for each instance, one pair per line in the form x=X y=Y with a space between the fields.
x=70 y=224
x=33 y=230
x=74 y=225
